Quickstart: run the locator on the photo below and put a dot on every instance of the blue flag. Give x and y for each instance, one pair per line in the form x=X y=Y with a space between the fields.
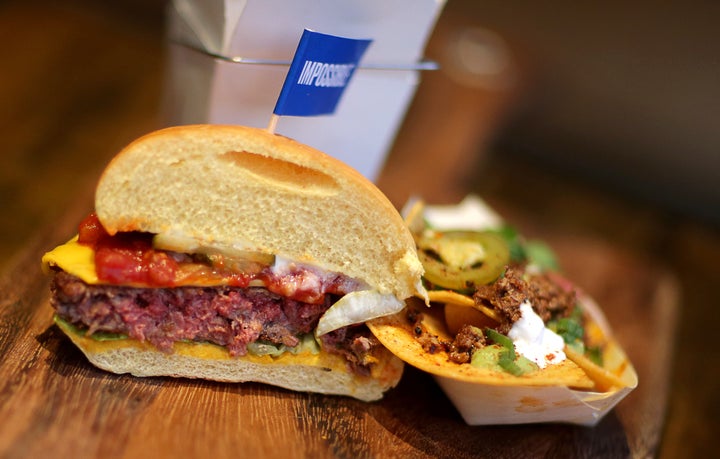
x=319 y=72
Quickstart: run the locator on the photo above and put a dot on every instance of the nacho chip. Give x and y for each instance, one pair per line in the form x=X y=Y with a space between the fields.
x=449 y=296
x=577 y=371
x=396 y=333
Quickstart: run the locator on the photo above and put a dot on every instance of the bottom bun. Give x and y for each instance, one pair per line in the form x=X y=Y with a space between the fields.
x=323 y=372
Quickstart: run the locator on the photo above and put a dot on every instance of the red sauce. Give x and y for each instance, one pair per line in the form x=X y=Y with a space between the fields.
x=127 y=258
x=130 y=259
x=91 y=231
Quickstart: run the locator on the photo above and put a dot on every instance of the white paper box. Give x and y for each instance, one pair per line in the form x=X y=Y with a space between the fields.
x=516 y=402
x=207 y=89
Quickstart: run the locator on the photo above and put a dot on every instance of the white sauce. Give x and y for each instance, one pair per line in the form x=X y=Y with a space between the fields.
x=534 y=341
x=298 y=276
x=472 y=213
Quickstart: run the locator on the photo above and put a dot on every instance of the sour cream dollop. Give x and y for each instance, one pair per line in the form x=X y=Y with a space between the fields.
x=534 y=341
x=472 y=213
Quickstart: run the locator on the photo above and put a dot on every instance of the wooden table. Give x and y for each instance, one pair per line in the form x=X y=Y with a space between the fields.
x=80 y=79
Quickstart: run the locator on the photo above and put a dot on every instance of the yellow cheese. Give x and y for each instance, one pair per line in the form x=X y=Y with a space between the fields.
x=73 y=258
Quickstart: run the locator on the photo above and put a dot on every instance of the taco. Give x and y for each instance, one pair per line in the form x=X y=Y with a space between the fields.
x=500 y=314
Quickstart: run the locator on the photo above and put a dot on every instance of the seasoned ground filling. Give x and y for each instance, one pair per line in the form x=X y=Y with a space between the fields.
x=548 y=298
x=227 y=316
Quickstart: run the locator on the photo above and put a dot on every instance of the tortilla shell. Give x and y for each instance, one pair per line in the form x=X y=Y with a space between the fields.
x=395 y=332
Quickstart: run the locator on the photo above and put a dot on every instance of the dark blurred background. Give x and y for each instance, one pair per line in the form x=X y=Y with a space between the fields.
x=626 y=94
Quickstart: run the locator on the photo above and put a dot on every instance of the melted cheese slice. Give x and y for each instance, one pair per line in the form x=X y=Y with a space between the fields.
x=73 y=258
x=79 y=260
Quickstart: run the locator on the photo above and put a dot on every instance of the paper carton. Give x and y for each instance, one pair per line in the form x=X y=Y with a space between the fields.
x=228 y=61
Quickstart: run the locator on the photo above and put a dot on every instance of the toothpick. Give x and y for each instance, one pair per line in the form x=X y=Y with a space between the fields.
x=273 y=123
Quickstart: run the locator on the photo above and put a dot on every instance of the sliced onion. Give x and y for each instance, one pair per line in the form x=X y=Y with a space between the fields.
x=358 y=307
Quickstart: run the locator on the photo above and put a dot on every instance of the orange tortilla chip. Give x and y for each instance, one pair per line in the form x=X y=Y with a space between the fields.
x=605 y=378
x=449 y=296
x=395 y=333
x=617 y=371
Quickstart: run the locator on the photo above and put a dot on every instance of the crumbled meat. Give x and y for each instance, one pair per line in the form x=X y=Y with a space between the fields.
x=466 y=341
x=548 y=298
x=430 y=343
x=505 y=296
x=228 y=316
x=356 y=344
x=459 y=351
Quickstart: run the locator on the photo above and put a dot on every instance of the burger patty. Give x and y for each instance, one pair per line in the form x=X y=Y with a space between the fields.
x=231 y=317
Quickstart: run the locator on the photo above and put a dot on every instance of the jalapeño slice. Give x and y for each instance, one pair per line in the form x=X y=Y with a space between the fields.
x=461 y=260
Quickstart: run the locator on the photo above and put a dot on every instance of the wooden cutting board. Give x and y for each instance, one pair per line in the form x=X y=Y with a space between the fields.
x=53 y=403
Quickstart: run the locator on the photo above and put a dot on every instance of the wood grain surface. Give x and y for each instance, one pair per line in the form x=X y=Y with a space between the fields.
x=53 y=400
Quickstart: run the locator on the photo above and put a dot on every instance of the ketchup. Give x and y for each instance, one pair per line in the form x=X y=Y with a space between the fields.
x=91 y=231
x=126 y=258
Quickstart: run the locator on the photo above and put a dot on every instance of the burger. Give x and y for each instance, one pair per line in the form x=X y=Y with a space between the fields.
x=508 y=336
x=234 y=254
